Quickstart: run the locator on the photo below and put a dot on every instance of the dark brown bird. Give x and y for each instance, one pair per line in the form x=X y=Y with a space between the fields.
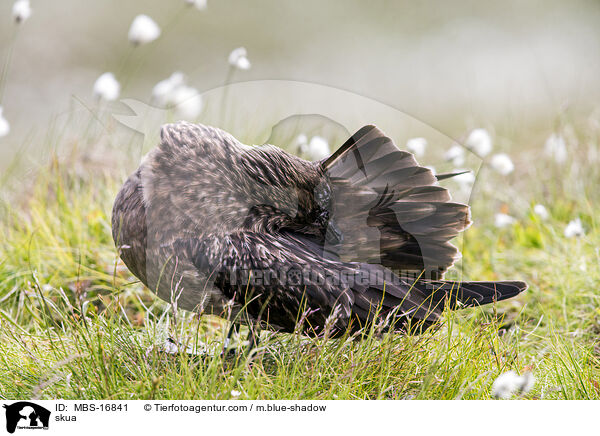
x=216 y=226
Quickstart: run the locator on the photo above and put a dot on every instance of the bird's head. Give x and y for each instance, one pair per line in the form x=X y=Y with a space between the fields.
x=315 y=215
x=290 y=194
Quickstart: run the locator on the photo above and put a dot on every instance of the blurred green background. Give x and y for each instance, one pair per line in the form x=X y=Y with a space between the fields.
x=453 y=65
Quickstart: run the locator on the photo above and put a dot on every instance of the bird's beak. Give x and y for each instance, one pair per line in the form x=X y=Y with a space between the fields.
x=333 y=235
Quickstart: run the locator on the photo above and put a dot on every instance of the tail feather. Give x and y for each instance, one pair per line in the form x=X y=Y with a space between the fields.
x=394 y=216
x=424 y=301
x=390 y=209
x=445 y=176
x=468 y=294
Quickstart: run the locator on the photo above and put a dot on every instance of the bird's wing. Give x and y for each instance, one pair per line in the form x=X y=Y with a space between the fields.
x=282 y=279
x=390 y=210
x=272 y=275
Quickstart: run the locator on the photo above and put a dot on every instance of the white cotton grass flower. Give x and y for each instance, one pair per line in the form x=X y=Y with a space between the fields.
x=238 y=58
x=107 y=87
x=574 y=229
x=318 y=148
x=174 y=93
x=510 y=383
x=556 y=148
x=143 y=30
x=502 y=163
x=301 y=142
x=198 y=4
x=163 y=91
x=527 y=382
x=187 y=102
x=502 y=220
x=480 y=142
x=4 y=125
x=456 y=155
x=541 y=211
x=170 y=347
x=21 y=10
x=417 y=146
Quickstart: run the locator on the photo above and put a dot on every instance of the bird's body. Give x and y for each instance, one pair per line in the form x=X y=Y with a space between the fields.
x=215 y=226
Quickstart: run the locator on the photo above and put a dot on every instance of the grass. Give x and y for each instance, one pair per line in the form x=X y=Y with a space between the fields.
x=75 y=323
